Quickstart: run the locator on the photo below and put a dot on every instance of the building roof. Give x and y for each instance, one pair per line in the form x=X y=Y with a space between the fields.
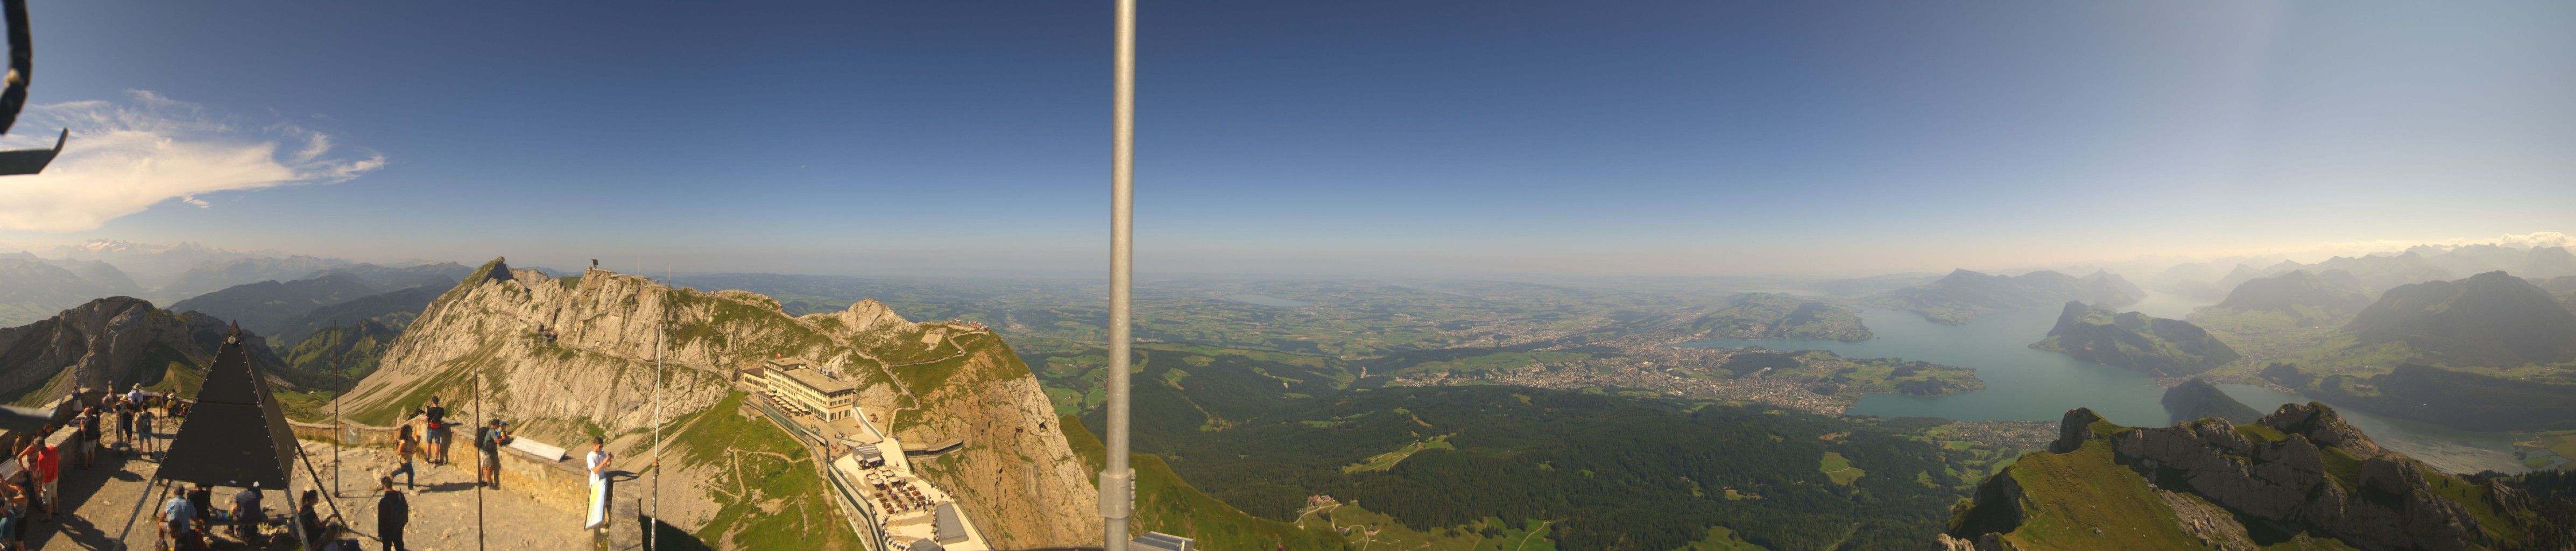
x=1158 y=541
x=815 y=380
x=952 y=528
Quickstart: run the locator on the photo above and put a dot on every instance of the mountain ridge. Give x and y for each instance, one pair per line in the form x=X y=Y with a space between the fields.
x=1963 y=295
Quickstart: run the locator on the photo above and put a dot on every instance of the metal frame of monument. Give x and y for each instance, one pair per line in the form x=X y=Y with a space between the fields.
x=235 y=435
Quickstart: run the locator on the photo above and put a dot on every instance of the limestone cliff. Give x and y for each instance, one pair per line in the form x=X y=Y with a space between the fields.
x=2299 y=473
x=566 y=358
x=116 y=340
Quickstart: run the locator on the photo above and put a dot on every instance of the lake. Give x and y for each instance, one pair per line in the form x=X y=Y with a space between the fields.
x=2442 y=447
x=2027 y=384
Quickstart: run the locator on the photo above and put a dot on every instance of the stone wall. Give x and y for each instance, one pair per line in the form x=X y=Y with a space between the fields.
x=554 y=482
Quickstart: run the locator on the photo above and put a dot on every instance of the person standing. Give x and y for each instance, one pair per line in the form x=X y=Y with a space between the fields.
x=49 y=468
x=143 y=429
x=125 y=421
x=597 y=460
x=392 y=513
x=487 y=444
x=434 y=420
x=31 y=474
x=178 y=515
x=405 y=444
x=88 y=436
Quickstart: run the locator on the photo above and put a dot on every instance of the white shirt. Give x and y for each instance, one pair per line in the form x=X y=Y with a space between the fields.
x=592 y=461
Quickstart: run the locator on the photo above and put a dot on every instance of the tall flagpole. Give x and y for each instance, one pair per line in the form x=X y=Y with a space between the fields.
x=1117 y=483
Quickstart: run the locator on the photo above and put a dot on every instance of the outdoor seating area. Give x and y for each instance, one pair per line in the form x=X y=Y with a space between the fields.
x=230 y=449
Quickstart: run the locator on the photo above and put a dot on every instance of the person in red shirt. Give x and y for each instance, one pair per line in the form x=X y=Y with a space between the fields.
x=39 y=462
x=49 y=463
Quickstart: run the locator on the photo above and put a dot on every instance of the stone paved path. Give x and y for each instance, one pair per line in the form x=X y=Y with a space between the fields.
x=104 y=500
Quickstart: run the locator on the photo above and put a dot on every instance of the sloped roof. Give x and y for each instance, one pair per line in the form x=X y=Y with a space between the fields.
x=234 y=434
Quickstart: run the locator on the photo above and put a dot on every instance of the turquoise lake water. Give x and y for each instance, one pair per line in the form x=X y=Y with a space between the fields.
x=2036 y=385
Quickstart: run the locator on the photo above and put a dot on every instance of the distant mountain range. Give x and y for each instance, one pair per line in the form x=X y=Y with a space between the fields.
x=151 y=265
x=216 y=276
x=269 y=306
x=2380 y=272
x=2296 y=299
x=393 y=310
x=33 y=288
x=2491 y=319
x=2135 y=341
x=1963 y=295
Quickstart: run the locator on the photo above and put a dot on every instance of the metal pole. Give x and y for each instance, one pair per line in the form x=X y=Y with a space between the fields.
x=478 y=462
x=1117 y=483
x=653 y=534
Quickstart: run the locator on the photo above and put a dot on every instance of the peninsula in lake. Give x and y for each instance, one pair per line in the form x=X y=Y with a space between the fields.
x=2135 y=341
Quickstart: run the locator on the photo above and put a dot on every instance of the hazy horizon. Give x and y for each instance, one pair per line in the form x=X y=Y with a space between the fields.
x=1412 y=139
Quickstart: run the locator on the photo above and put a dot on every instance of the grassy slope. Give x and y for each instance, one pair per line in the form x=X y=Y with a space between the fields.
x=1165 y=503
x=780 y=501
x=2084 y=500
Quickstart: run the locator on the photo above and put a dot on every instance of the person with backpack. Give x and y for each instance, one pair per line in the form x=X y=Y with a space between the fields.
x=143 y=430
x=393 y=512
x=487 y=443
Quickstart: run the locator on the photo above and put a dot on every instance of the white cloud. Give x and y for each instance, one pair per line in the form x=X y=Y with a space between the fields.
x=126 y=156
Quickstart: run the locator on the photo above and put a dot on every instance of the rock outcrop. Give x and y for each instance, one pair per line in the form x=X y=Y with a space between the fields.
x=2074 y=429
x=116 y=341
x=570 y=357
x=2299 y=471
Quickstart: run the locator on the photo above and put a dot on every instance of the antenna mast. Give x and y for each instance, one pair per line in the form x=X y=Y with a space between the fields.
x=1117 y=483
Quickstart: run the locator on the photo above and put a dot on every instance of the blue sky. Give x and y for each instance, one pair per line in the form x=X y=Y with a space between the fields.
x=1360 y=137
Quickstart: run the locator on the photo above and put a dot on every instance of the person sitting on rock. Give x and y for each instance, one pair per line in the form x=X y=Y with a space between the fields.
x=247 y=513
x=318 y=531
